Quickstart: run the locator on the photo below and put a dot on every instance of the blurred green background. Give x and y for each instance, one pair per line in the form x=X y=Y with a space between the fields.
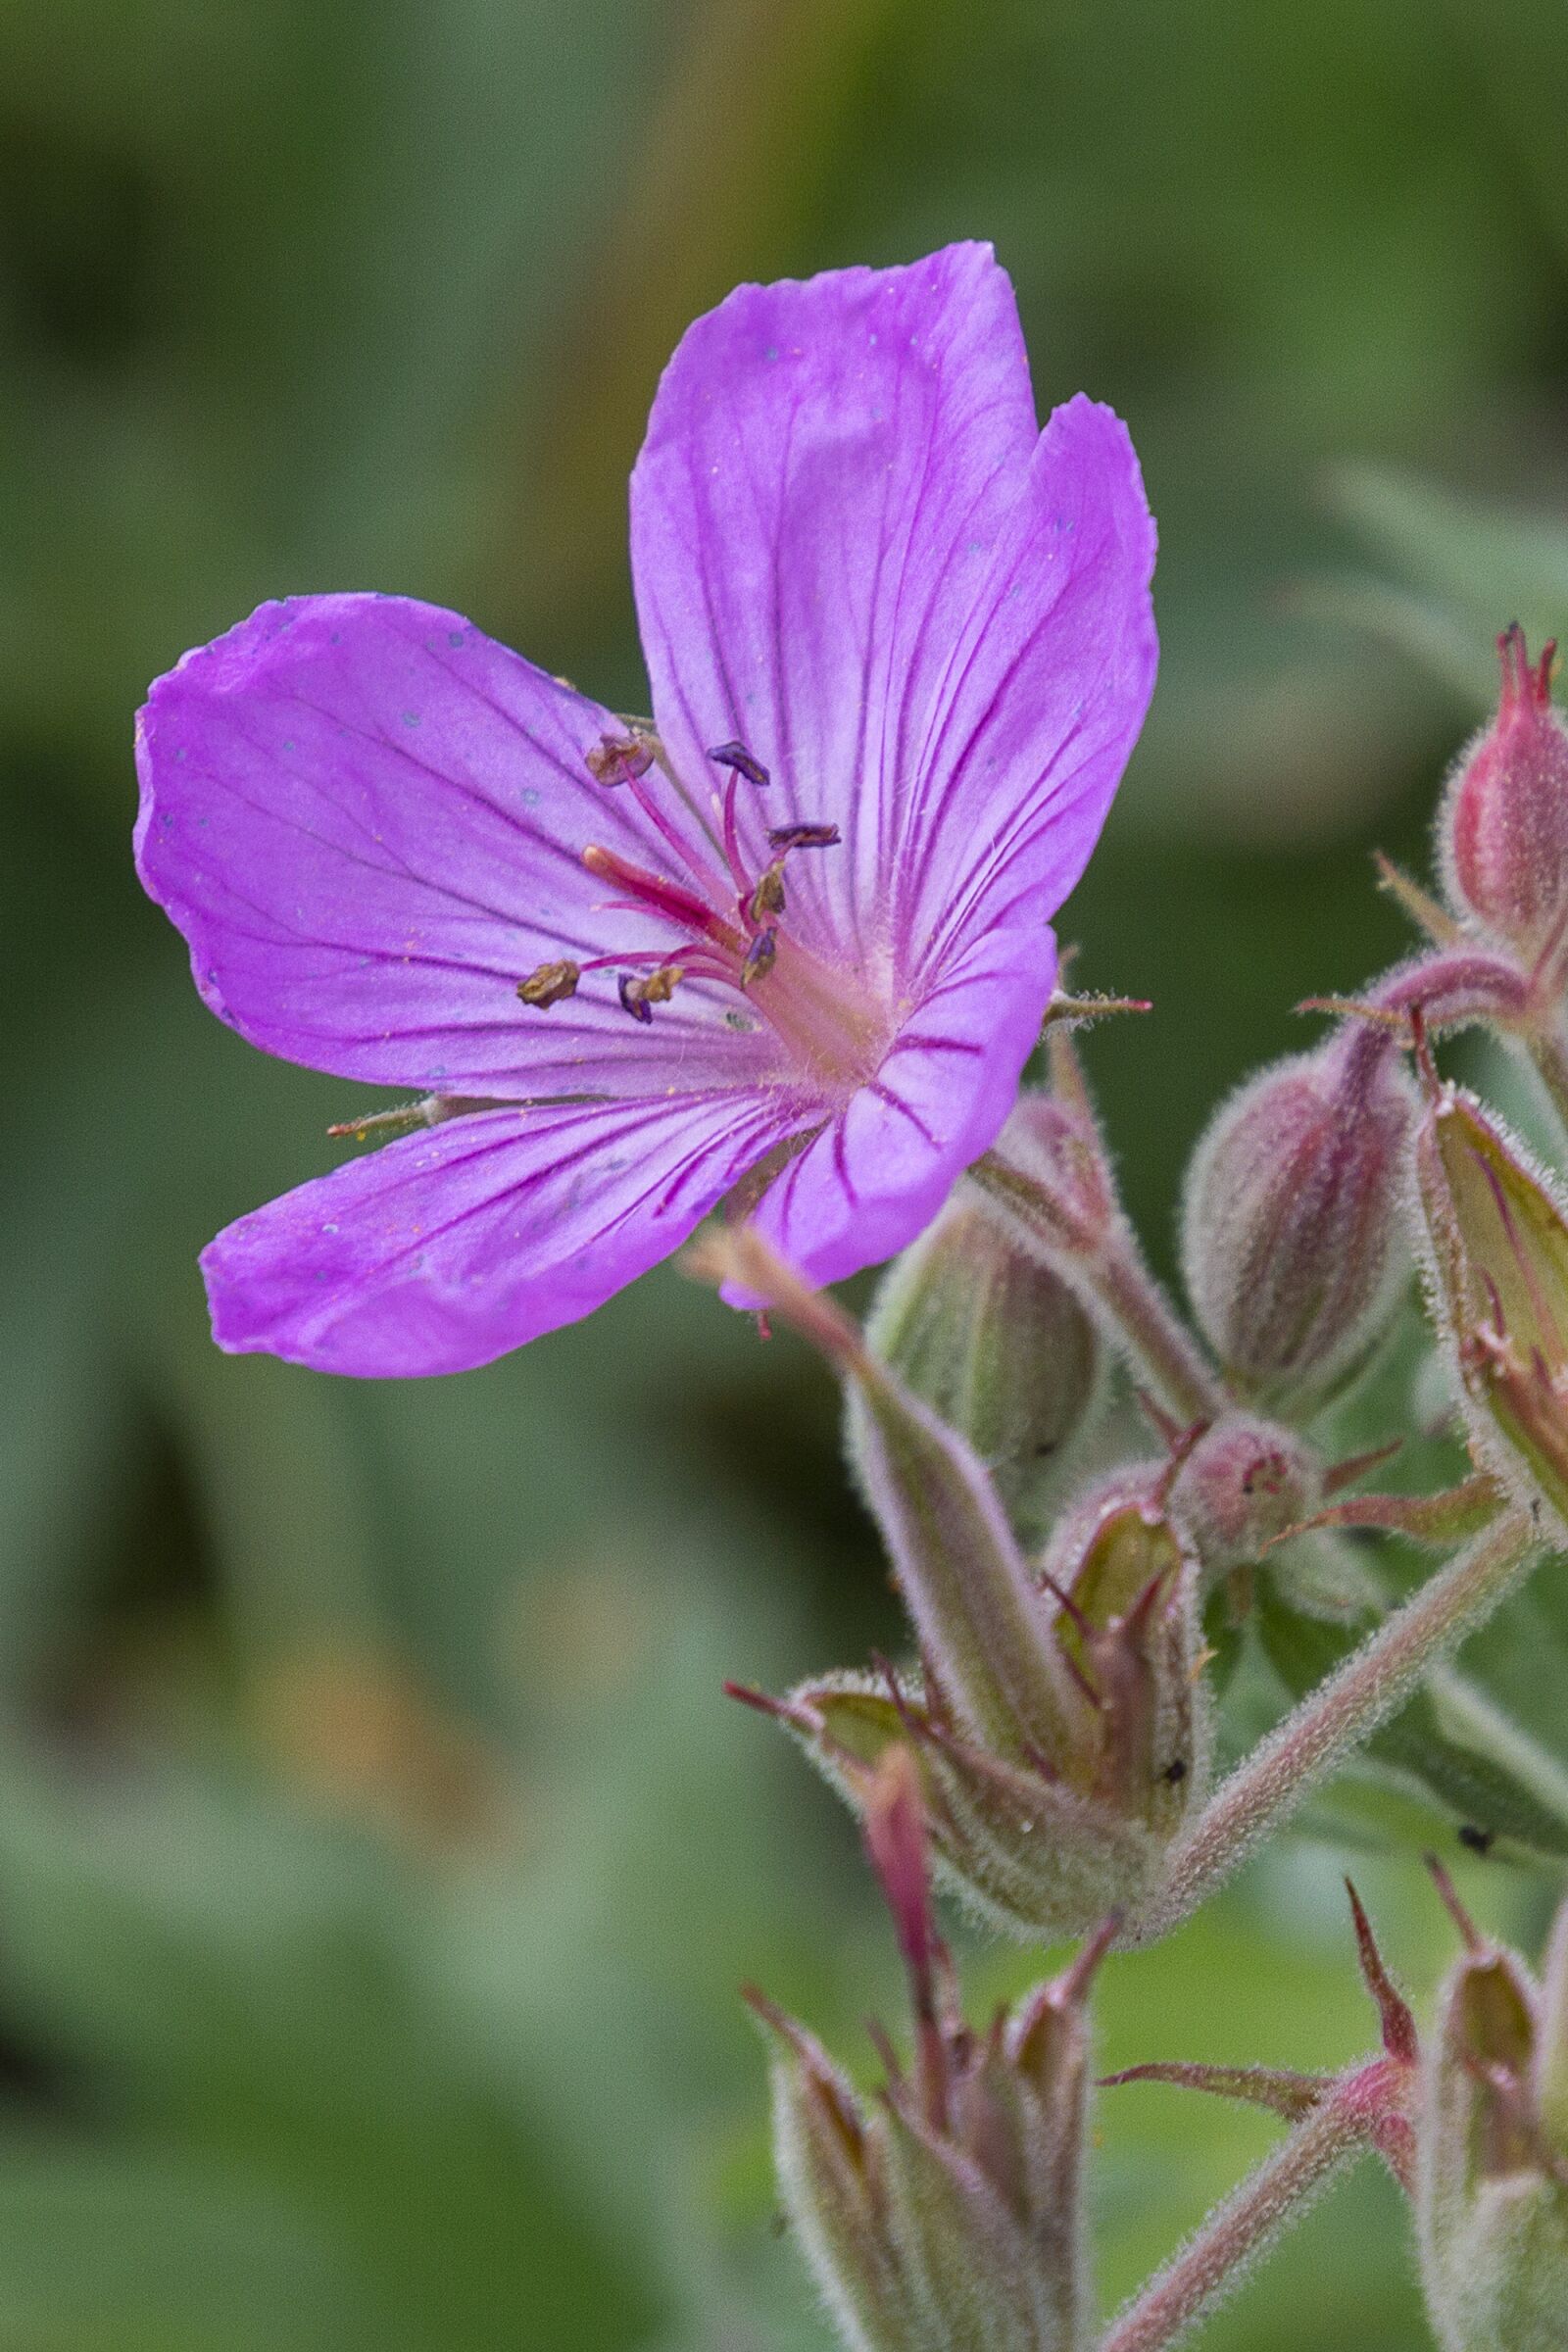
x=378 y=1859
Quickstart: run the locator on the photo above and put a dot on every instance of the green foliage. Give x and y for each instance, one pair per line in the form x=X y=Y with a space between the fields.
x=1465 y=562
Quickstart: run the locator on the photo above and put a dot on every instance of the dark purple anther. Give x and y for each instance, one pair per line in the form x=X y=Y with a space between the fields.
x=804 y=837
x=633 y=1001
x=760 y=958
x=743 y=762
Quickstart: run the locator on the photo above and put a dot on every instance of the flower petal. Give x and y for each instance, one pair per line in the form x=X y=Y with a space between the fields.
x=829 y=472
x=367 y=819
x=876 y=1177
x=1044 y=694
x=448 y=1249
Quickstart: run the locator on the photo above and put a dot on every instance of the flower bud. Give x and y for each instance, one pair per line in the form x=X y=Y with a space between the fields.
x=1052 y=1159
x=1044 y=1839
x=994 y=1343
x=1497 y=1238
x=1290 y=1234
x=1058 y=1719
x=1503 y=832
x=949 y=2212
x=1491 y=2172
x=1127 y=1592
x=1238 y=1486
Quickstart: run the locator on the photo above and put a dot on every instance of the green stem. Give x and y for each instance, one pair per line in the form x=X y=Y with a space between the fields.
x=1154 y=1336
x=1239 y=2231
x=1108 y=1268
x=1337 y=1718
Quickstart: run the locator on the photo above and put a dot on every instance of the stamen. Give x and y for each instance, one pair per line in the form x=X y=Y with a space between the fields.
x=768 y=895
x=550 y=983
x=620 y=759
x=804 y=837
x=431 y=1110
x=743 y=763
x=636 y=996
x=760 y=958
x=653 y=890
x=725 y=812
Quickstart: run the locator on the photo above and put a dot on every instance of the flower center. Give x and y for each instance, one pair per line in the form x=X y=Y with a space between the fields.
x=727 y=914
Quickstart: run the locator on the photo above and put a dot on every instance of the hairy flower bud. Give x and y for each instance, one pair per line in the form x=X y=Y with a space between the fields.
x=1052 y=1147
x=1238 y=1486
x=1058 y=1717
x=1127 y=1592
x=1491 y=2174
x=1496 y=1235
x=948 y=2213
x=1044 y=1838
x=997 y=1345
x=1503 y=835
x=1290 y=1232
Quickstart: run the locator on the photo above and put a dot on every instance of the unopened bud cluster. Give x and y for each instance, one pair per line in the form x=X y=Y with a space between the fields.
x=1056 y=1711
x=1044 y=1750
x=946 y=2213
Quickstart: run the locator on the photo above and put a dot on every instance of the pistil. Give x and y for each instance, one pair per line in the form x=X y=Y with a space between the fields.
x=665 y=898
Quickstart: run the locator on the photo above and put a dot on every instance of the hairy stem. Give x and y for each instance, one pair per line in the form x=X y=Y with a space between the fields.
x=1225 y=2245
x=1108 y=1269
x=1333 y=1720
x=1154 y=1336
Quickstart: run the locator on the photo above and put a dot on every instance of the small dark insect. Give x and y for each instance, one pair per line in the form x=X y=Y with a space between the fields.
x=1175 y=1773
x=1479 y=1841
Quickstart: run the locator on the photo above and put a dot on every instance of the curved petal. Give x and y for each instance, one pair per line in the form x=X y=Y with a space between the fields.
x=1043 y=696
x=876 y=1177
x=367 y=819
x=449 y=1248
x=829 y=472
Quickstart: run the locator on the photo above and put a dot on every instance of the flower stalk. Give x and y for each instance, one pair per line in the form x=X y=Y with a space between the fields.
x=1108 y=1270
x=1337 y=1718
x=1336 y=2120
x=1241 y=2230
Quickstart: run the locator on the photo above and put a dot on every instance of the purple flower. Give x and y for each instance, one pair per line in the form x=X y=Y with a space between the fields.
x=794 y=934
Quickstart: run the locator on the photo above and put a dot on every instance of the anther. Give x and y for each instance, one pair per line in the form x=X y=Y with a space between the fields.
x=549 y=983
x=620 y=759
x=638 y=993
x=743 y=763
x=760 y=958
x=804 y=837
x=768 y=895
